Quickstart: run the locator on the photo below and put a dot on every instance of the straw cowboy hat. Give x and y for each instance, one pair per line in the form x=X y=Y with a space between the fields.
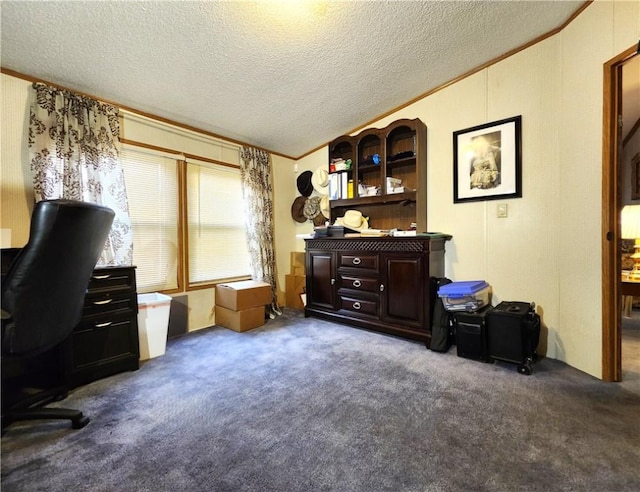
x=353 y=219
x=325 y=208
x=320 y=181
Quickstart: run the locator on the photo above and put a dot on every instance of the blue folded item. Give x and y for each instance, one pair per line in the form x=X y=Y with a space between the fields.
x=462 y=289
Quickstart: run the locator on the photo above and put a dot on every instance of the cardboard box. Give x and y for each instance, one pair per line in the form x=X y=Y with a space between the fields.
x=243 y=295
x=297 y=263
x=294 y=287
x=244 y=320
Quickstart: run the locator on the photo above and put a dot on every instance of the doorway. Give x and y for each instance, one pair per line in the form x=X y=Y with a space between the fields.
x=612 y=202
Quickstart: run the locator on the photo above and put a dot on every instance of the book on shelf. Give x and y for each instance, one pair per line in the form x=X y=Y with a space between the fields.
x=344 y=185
x=375 y=232
x=410 y=233
x=334 y=187
x=339 y=186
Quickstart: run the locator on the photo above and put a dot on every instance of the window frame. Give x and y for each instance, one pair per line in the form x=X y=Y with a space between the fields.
x=182 y=227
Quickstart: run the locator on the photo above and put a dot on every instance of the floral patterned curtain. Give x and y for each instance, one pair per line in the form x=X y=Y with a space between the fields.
x=74 y=150
x=257 y=191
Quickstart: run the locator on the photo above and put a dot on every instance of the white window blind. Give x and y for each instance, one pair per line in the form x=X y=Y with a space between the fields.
x=152 y=191
x=216 y=225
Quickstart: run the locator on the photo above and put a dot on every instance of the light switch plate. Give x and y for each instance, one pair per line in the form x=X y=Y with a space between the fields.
x=503 y=210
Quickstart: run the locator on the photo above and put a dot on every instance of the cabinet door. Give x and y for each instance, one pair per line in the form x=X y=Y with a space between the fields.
x=403 y=289
x=321 y=279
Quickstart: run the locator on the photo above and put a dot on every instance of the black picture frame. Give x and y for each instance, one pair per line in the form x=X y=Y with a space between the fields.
x=487 y=161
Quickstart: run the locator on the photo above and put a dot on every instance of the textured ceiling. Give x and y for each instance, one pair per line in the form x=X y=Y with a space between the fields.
x=287 y=76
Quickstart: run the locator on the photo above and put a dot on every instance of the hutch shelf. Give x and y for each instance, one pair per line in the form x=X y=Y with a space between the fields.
x=388 y=173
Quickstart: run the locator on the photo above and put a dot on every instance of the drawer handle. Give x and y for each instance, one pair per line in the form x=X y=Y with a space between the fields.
x=356 y=261
x=333 y=281
x=381 y=287
x=102 y=325
x=99 y=303
x=356 y=305
x=357 y=283
x=100 y=277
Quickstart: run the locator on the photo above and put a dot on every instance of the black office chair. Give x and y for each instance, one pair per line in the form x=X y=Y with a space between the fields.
x=42 y=299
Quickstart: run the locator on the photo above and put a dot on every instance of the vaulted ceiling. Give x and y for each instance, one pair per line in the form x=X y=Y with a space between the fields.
x=287 y=76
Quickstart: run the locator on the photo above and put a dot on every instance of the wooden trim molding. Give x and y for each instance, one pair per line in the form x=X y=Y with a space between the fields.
x=610 y=355
x=611 y=205
x=210 y=161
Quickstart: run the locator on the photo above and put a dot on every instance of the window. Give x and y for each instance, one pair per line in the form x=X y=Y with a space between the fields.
x=217 y=232
x=152 y=190
x=214 y=245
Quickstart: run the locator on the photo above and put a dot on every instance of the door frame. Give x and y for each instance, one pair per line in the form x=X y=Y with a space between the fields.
x=611 y=316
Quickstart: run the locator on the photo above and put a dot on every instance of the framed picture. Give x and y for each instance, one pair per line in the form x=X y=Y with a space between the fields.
x=635 y=177
x=487 y=161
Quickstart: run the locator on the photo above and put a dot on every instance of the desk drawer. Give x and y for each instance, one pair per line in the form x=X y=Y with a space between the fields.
x=366 y=284
x=98 y=342
x=359 y=306
x=354 y=260
x=113 y=280
x=96 y=304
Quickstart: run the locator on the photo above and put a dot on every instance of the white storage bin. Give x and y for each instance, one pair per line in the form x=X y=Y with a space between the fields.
x=153 y=324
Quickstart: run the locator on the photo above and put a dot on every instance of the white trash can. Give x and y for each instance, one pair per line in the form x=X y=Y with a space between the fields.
x=153 y=324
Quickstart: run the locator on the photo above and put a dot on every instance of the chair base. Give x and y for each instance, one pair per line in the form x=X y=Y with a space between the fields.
x=78 y=420
x=33 y=408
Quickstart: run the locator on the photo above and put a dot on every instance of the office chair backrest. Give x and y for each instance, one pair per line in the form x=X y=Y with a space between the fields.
x=43 y=290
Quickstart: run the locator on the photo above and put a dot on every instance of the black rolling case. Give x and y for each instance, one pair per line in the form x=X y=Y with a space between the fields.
x=513 y=330
x=471 y=334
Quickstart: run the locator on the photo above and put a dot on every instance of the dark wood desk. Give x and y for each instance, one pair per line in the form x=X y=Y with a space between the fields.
x=628 y=291
x=7 y=255
x=105 y=342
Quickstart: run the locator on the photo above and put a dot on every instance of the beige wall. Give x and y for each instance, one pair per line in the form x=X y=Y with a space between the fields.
x=16 y=191
x=548 y=249
x=284 y=191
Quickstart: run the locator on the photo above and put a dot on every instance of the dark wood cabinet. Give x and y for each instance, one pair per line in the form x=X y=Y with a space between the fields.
x=105 y=341
x=406 y=292
x=320 y=278
x=379 y=283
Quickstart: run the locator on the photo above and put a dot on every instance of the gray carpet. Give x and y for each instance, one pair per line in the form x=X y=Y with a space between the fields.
x=307 y=405
x=631 y=349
